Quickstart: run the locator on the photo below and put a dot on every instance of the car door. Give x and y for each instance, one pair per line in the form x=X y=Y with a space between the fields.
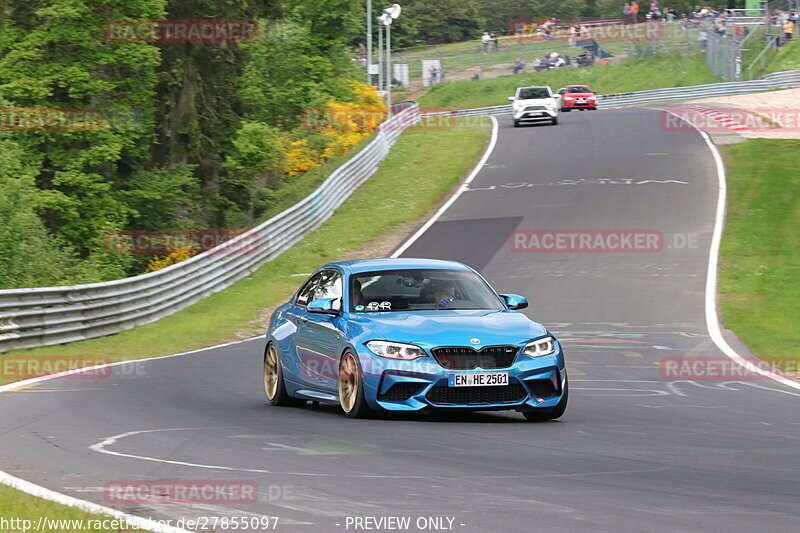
x=319 y=339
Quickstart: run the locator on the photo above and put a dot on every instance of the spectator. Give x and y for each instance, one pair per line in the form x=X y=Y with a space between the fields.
x=537 y=65
x=485 y=39
x=494 y=41
x=788 y=30
x=626 y=12
x=519 y=66
x=634 y=12
x=433 y=75
x=573 y=32
x=702 y=39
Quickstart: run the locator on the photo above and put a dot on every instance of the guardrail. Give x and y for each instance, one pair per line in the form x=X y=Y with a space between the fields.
x=57 y=315
x=777 y=80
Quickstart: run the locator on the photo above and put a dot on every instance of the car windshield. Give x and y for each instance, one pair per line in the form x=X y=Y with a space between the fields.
x=533 y=93
x=578 y=90
x=420 y=290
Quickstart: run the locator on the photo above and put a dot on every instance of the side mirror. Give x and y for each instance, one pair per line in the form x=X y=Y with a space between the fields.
x=324 y=306
x=514 y=301
x=512 y=98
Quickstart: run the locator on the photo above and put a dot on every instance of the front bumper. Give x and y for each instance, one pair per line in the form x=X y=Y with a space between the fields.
x=579 y=105
x=393 y=385
x=543 y=114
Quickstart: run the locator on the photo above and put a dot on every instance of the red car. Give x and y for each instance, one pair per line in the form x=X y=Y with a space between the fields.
x=577 y=97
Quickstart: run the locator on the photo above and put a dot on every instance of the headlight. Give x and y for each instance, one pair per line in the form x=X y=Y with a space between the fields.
x=540 y=347
x=569 y=98
x=396 y=350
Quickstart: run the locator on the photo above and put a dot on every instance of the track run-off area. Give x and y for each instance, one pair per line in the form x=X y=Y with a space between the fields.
x=639 y=449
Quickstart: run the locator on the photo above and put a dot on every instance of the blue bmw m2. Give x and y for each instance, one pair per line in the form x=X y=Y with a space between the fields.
x=383 y=335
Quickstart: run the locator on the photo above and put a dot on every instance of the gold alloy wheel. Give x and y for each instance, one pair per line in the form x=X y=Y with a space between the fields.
x=271 y=372
x=348 y=382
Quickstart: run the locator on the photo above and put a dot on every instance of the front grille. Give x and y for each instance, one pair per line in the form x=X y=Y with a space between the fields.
x=542 y=388
x=468 y=358
x=399 y=392
x=442 y=395
x=536 y=108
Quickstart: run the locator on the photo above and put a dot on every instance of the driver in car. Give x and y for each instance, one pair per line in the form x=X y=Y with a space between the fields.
x=444 y=293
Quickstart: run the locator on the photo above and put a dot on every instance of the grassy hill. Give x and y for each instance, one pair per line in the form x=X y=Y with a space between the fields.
x=633 y=75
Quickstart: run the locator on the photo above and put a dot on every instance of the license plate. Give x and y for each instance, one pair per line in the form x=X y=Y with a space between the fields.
x=477 y=379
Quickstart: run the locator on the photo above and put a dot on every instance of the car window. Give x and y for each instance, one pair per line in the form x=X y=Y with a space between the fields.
x=579 y=90
x=420 y=290
x=324 y=284
x=533 y=93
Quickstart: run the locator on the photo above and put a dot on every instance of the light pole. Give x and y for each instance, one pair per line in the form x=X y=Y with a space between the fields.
x=389 y=14
x=380 y=57
x=369 y=42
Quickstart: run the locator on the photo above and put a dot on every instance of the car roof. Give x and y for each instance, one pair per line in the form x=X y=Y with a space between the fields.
x=579 y=85
x=534 y=87
x=370 y=265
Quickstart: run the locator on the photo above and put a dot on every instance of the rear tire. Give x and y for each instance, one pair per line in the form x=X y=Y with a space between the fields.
x=534 y=414
x=351 y=387
x=274 y=386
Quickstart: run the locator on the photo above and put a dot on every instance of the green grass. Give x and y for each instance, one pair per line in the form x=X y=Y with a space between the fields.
x=420 y=169
x=760 y=255
x=19 y=505
x=787 y=58
x=632 y=75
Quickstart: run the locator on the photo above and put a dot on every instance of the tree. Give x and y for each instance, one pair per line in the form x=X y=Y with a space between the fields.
x=497 y=14
x=445 y=21
x=562 y=9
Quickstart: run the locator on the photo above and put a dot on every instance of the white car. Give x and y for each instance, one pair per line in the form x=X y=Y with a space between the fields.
x=533 y=104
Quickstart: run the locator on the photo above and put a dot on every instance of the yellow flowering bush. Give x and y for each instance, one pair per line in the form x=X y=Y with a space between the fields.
x=299 y=157
x=175 y=256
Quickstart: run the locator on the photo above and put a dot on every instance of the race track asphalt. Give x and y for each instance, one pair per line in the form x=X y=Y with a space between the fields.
x=637 y=451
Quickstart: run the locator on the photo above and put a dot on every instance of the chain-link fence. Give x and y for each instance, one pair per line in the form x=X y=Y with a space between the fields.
x=609 y=40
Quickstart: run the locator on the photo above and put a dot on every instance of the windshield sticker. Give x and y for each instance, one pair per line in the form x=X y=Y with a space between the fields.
x=379 y=306
x=359 y=308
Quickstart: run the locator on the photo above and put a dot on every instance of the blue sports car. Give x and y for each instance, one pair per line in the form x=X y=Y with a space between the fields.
x=407 y=335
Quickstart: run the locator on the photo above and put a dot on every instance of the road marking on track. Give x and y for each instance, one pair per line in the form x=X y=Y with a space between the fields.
x=631 y=354
x=90 y=507
x=464 y=186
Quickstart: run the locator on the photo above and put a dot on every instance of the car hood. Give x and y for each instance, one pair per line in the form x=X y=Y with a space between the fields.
x=449 y=328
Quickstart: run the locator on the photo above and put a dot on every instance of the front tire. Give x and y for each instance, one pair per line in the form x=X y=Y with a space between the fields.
x=351 y=387
x=516 y=123
x=551 y=413
x=554 y=120
x=274 y=386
